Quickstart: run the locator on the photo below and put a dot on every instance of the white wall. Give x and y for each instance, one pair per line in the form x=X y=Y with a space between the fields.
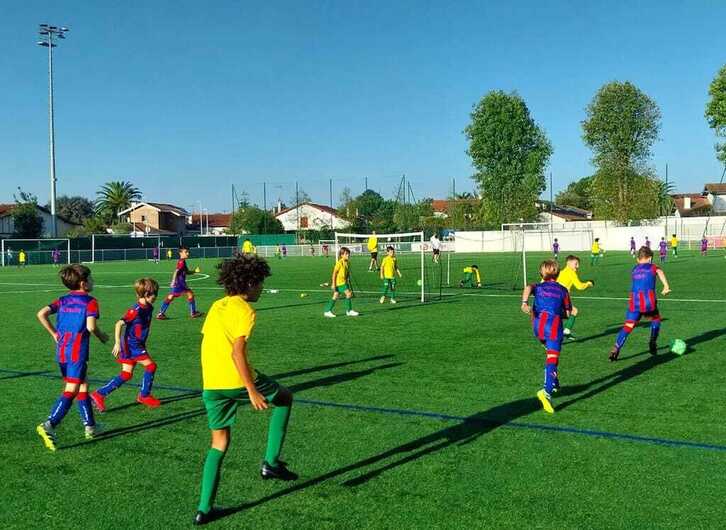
x=7 y=227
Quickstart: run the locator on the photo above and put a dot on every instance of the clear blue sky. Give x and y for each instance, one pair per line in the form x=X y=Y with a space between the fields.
x=185 y=98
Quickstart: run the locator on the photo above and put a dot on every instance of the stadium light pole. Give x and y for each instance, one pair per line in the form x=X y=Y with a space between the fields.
x=47 y=35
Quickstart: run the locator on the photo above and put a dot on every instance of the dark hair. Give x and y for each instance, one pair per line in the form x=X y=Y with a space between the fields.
x=241 y=273
x=597 y=239
x=475 y=267
x=73 y=275
x=183 y=247
x=389 y=247
x=572 y=257
x=644 y=252
x=343 y=250
x=146 y=286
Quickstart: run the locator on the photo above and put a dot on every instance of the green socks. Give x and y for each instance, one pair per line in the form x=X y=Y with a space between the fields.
x=210 y=479
x=330 y=305
x=570 y=322
x=276 y=434
x=348 y=304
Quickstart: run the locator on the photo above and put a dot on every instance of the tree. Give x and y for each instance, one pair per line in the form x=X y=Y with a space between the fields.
x=76 y=208
x=114 y=197
x=716 y=111
x=91 y=225
x=254 y=220
x=27 y=222
x=621 y=126
x=577 y=194
x=509 y=152
x=664 y=197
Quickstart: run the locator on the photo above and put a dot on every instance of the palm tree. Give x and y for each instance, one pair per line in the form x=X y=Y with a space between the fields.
x=664 y=199
x=114 y=197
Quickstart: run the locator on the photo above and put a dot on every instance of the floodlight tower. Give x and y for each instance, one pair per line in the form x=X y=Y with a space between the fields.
x=47 y=36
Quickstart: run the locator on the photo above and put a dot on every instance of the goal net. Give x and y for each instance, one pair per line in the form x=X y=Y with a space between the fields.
x=420 y=278
x=37 y=251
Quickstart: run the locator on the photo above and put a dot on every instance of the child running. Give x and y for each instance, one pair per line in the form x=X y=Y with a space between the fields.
x=469 y=274
x=131 y=334
x=663 y=249
x=551 y=306
x=643 y=301
x=76 y=321
x=389 y=270
x=568 y=278
x=179 y=287
x=674 y=245
x=229 y=379
x=340 y=284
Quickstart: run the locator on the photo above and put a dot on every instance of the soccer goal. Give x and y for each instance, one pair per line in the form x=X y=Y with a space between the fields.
x=419 y=279
x=37 y=251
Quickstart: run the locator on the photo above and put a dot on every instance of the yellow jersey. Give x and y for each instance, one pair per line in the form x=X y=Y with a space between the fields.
x=373 y=244
x=389 y=266
x=247 y=247
x=228 y=319
x=568 y=278
x=674 y=242
x=472 y=270
x=21 y=257
x=596 y=247
x=340 y=272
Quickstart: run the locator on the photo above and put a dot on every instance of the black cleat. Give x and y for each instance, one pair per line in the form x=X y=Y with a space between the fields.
x=653 y=347
x=614 y=353
x=279 y=472
x=203 y=518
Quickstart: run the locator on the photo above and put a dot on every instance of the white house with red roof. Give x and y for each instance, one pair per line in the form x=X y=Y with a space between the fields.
x=311 y=216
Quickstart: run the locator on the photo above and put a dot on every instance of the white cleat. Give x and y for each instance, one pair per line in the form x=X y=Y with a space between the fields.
x=329 y=314
x=352 y=313
x=393 y=301
x=383 y=299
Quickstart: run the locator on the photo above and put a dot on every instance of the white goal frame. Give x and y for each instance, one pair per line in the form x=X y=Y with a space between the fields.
x=4 y=249
x=382 y=243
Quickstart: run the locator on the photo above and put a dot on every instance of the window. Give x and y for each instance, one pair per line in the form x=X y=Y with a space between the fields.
x=304 y=222
x=143 y=218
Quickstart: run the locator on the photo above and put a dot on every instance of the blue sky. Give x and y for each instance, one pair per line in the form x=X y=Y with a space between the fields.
x=186 y=98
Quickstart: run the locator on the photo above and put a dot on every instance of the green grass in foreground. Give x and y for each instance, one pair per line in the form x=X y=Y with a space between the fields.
x=471 y=356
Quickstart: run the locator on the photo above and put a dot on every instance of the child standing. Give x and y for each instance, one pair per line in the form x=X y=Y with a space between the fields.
x=595 y=251
x=179 y=287
x=662 y=249
x=76 y=321
x=674 y=245
x=22 y=258
x=229 y=379
x=340 y=284
x=131 y=333
x=389 y=270
x=704 y=246
x=278 y=251
x=556 y=249
x=642 y=301
x=169 y=254
x=284 y=251
x=373 y=249
x=632 y=246
x=568 y=278
x=551 y=306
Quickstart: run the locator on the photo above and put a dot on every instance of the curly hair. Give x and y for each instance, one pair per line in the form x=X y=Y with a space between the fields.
x=239 y=274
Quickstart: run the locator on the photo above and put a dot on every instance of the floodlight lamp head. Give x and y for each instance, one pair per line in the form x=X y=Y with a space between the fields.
x=63 y=28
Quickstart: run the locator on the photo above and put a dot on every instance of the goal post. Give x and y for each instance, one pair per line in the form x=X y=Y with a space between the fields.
x=38 y=251
x=410 y=250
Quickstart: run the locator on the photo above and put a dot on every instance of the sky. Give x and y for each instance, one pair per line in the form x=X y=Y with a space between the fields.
x=186 y=99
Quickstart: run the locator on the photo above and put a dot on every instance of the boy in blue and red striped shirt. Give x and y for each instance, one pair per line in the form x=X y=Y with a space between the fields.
x=551 y=307
x=179 y=287
x=130 y=348
x=642 y=301
x=76 y=321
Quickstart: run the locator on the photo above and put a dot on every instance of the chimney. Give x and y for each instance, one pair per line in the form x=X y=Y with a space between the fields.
x=686 y=203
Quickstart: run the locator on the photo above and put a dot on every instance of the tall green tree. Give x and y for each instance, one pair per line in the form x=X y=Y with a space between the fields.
x=577 y=194
x=621 y=127
x=254 y=220
x=27 y=222
x=114 y=197
x=716 y=110
x=510 y=153
x=75 y=208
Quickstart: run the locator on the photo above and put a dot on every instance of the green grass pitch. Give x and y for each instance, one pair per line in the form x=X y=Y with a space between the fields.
x=410 y=416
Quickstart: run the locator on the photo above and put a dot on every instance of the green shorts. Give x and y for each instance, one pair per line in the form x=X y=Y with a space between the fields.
x=222 y=405
x=342 y=288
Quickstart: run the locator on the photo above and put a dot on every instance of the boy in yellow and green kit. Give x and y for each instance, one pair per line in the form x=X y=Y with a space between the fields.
x=568 y=279
x=389 y=270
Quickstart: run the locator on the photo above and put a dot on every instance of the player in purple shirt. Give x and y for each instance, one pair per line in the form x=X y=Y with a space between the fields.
x=551 y=308
x=642 y=301
x=704 y=246
x=77 y=313
x=155 y=254
x=632 y=246
x=131 y=333
x=663 y=249
x=179 y=287
x=647 y=242
x=556 y=248
x=56 y=257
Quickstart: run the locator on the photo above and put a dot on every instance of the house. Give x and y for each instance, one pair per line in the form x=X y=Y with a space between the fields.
x=312 y=216
x=155 y=216
x=442 y=207
x=213 y=224
x=558 y=213
x=716 y=195
x=691 y=204
x=7 y=227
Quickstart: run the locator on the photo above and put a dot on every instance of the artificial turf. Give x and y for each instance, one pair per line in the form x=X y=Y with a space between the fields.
x=410 y=416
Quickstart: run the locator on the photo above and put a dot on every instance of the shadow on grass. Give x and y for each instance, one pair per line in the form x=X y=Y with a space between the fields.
x=704 y=337
x=613 y=329
x=17 y=375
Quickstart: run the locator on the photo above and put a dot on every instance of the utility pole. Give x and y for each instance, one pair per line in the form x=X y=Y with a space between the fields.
x=47 y=33
x=331 y=205
x=264 y=205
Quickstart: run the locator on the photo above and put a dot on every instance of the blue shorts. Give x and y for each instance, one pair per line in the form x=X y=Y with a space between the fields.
x=74 y=372
x=132 y=355
x=635 y=316
x=548 y=330
x=179 y=291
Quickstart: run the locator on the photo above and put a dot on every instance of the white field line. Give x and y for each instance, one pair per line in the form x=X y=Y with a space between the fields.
x=101 y=286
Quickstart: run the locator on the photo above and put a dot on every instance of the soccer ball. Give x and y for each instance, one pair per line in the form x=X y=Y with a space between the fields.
x=418 y=282
x=303 y=295
x=678 y=347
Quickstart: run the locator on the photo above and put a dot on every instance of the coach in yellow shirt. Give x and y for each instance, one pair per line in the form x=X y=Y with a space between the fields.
x=568 y=278
x=373 y=249
x=229 y=379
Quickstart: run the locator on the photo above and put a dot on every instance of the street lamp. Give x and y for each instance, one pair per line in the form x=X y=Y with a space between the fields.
x=47 y=35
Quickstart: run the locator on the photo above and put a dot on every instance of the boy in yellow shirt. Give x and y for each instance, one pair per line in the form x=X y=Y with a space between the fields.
x=340 y=284
x=229 y=379
x=596 y=251
x=22 y=258
x=674 y=245
x=389 y=270
x=568 y=279
x=373 y=249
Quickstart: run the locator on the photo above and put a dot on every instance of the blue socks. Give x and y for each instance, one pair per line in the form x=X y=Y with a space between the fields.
x=60 y=408
x=148 y=380
x=85 y=410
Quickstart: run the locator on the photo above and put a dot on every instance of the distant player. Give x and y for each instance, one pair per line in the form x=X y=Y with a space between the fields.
x=632 y=247
x=674 y=245
x=556 y=249
x=155 y=254
x=643 y=301
x=169 y=254
x=595 y=251
x=373 y=249
x=179 y=287
x=471 y=278
x=568 y=278
x=22 y=258
x=312 y=250
x=704 y=246
x=551 y=306
x=340 y=284
x=663 y=249
x=55 y=256
x=278 y=251
x=247 y=247
x=9 y=256
x=284 y=251
x=131 y=333
x=389 y=271
x=77 y=313
x=647 y=242
x=326 y=250
x=435 y=247
x=230 y=380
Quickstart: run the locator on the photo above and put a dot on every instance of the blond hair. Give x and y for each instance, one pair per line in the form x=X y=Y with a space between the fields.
x=549 y=269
